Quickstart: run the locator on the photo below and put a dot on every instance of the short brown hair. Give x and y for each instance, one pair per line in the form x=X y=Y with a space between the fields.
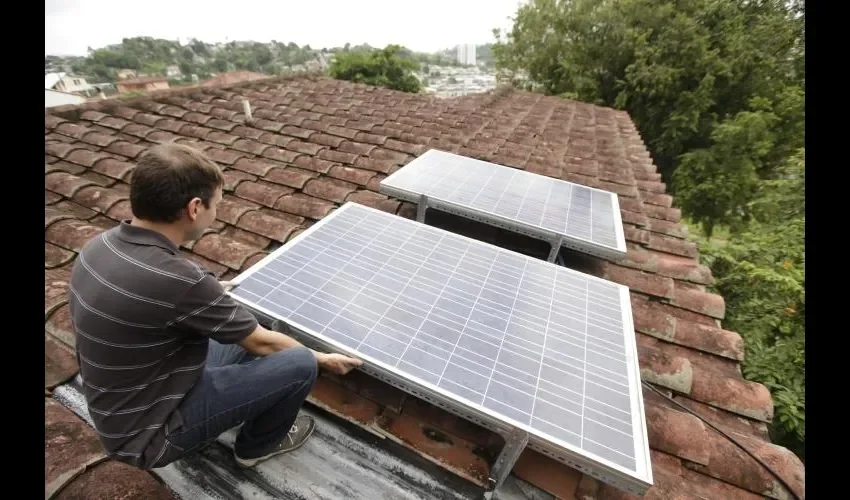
x=167 y=176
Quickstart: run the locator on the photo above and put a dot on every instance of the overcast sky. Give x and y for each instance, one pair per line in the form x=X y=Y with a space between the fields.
x=423 y=25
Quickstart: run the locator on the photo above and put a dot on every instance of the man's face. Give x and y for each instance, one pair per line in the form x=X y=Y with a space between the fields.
x=201 y=217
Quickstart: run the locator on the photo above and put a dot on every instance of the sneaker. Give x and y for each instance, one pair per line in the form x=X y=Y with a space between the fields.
x=298 y=433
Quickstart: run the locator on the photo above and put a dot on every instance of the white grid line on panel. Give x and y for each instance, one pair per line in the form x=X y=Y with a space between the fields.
x=524 y=198
x=401 y=293
x=425 y=319
x=584 y=383
x=358 y=292
x=505 y=333
x=546 y=204
x=545 y=337
x=437 y=321
x=458 y=185
x=310 y=261
x=471 y=311
x=590 y=213
x=437 y=170
x=603 y=414
x=434 y=305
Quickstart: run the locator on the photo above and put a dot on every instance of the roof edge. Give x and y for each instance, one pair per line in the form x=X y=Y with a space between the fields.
x=72 y=111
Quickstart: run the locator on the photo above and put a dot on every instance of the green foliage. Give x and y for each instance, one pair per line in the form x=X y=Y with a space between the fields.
x=717 y=91
x=716 y=183
x=484 y=55
x=444 y=58
x=761 y=275
x=681 y=68
x=152 y=56
x=381 y=67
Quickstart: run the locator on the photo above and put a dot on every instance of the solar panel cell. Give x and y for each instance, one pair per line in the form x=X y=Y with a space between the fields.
x=544 y=207
x=536 y=345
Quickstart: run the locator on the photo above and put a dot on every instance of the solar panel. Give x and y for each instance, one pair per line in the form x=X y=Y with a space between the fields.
x=563 y=213
x=497 y=334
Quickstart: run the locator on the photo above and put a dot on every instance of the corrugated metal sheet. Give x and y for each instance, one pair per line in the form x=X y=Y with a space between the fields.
x=51 y=79
x=54 y=98
x=338 y=461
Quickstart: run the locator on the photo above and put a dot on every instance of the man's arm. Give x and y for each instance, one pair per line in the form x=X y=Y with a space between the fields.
x=206 y=309
x=263 y=342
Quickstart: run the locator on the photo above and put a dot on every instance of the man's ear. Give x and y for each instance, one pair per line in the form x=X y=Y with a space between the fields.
x=193 y=208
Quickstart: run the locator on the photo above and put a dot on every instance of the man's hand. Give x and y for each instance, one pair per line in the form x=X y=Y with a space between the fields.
x=337 y=363
x=227 y=285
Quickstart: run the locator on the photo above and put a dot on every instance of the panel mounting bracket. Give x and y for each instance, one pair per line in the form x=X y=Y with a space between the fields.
x=279 y=326
x=515 y=442
x=421 y=207
x=556 y=243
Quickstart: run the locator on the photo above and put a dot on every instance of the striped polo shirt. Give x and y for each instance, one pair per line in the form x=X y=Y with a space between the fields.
x=143 y=315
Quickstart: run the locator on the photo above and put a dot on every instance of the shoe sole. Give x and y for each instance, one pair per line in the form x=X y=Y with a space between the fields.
x=250 y=462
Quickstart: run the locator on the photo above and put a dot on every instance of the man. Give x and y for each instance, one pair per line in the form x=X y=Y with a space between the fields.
x=167 y=358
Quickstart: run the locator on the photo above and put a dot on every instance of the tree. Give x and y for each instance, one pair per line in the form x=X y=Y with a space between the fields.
x=262 y=54
x=186 y=68
x=484 y=54
x=761 y=275
x=220 y=64
x=717 y=91
x=380 y=67
x=199 y=48
x=685 y=70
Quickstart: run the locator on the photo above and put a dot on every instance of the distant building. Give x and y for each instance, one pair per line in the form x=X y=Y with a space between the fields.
x=324 y=59
x=173 y=71
x=126 y=74
x=466 y=53
x=232 y=77
x=459 y=81
x=56 y=98
x=142 y=84
x=64 y=82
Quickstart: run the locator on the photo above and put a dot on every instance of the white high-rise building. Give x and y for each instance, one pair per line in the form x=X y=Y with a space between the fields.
x=466 y=53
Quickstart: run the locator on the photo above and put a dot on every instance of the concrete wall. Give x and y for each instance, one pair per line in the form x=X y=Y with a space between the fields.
x=53 y=98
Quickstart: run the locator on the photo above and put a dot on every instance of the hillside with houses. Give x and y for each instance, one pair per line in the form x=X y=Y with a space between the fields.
x=144 y=64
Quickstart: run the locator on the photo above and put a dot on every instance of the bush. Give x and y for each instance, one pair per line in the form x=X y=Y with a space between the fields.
x=760 y=271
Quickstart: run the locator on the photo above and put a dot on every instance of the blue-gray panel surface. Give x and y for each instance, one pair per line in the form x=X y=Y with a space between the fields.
x=588 y=218
x=539 y=346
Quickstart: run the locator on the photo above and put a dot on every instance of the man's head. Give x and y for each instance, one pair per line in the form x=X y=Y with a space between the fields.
x=178 y=186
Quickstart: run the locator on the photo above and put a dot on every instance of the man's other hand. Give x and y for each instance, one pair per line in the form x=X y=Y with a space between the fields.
x=337 y=363
x=227 y=285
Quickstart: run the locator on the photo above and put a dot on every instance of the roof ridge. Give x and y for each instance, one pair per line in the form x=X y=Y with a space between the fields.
x=72 y=110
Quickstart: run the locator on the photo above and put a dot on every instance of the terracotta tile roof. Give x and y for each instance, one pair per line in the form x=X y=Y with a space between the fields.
x=232 y=77
x=141 y=80
x=315 y=143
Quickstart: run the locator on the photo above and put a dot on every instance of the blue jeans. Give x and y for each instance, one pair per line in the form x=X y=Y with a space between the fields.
x=265 y=393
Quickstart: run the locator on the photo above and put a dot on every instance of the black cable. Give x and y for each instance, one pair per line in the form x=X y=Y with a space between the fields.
x=727 y=436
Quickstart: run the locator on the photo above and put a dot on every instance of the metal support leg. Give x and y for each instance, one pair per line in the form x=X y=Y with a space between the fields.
x=556 y=247
x=420 y=209
x=279 y=326
x=515 y=443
